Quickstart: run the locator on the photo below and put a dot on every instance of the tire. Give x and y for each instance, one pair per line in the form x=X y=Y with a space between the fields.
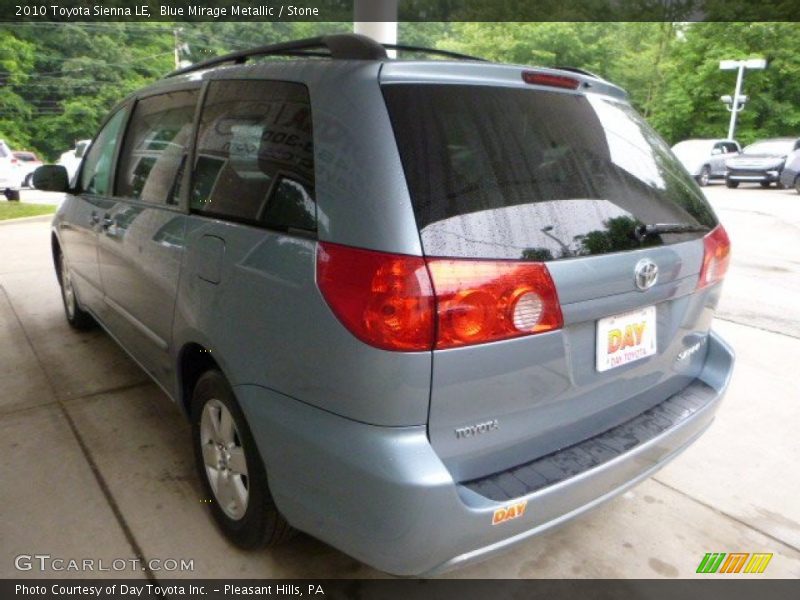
x=241 y=503
x=731 y=184
x=12 y=195
x=704 y=177
x=764 y=184
x=77 y=317
x=797 y=184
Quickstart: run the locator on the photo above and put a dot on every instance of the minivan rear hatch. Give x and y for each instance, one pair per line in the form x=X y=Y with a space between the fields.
x=501 y=169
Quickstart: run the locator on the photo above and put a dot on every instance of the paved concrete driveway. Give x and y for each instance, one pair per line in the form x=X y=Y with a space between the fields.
x=95 y=460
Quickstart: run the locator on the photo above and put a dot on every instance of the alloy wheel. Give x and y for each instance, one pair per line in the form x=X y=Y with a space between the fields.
x=66 y=286
x=224 y=459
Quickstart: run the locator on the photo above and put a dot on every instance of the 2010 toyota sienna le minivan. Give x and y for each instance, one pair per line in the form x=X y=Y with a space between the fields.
x=418 y=309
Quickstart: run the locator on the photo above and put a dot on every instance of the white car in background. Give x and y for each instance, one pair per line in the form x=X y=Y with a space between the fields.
x=71 y=159
x=28 y=163
x=9 y=172
x=705 y=159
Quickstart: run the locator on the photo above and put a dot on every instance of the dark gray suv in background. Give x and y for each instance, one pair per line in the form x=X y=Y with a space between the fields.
x=419 y=309
x=761 y=162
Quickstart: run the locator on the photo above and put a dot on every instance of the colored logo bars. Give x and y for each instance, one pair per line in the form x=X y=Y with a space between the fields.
x=735 y=562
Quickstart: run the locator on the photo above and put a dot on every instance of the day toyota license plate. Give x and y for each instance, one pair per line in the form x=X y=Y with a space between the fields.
x=625 y=338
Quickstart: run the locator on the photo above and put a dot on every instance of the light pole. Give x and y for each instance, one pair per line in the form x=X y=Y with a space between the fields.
x=376 y=19
x=736 y=104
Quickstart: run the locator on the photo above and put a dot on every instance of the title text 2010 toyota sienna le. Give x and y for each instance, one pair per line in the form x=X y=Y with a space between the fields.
x=419 y=309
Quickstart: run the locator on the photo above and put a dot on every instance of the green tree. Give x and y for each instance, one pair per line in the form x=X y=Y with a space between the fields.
x=16 y=65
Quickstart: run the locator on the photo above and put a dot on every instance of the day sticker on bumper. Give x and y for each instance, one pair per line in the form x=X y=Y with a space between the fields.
x=506 y=513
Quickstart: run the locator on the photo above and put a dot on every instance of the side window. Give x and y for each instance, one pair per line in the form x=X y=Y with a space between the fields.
x=155 y=147
x=255 y=157
x=290 y=206
x=96 y=171
x=730 y=147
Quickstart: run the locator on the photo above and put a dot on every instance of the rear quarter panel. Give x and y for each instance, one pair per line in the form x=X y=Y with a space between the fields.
x=267 y=324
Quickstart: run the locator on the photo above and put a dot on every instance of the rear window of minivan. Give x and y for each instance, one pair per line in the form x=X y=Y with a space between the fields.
x=513 y=173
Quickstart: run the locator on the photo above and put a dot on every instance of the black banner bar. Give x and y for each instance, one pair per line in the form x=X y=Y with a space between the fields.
x=407 y=10
x=733 y=588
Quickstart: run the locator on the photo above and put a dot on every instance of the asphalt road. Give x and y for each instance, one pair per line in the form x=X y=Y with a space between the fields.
x=763 y=285
x=95 y=461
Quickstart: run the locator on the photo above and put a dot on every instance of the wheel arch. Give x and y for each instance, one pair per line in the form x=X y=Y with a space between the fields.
x=55 y=249
x=194 y=359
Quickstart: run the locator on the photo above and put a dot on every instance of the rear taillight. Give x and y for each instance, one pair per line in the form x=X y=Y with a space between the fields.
x=481 y=301
x=550 y=79
x=385 y=300
x=716 y=257
x=399 y=302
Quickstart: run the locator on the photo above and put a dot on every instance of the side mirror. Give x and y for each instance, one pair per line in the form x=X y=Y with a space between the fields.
x=51 y=178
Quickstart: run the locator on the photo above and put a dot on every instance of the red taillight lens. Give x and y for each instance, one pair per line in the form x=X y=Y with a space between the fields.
x=482 y=301
x=388 y=300
x=549 y=79
x=716 y=257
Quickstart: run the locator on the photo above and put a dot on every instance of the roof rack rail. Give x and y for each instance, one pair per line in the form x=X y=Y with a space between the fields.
x=422 y=49
x=341 y=46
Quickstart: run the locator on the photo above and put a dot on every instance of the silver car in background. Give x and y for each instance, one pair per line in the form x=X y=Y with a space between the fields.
x=705 y=159
x=419 y=309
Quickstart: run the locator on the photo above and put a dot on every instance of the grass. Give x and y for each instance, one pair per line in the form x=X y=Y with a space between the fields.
x=15 y=210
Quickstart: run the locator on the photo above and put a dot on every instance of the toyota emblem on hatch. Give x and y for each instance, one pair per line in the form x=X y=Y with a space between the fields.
x=645 y=274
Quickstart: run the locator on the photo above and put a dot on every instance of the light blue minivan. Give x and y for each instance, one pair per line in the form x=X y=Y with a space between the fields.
x=419 y=309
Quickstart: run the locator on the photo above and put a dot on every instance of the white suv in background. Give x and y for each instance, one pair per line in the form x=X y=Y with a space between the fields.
x=9 y=172
x=71 y=159
x=705 y=159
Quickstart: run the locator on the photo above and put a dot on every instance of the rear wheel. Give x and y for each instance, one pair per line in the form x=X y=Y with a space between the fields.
x=76 y=316
x=731 y=184
x=797 y=184
x=233 y=475
x=12 y=195
x=704 y=176
x=764 y=184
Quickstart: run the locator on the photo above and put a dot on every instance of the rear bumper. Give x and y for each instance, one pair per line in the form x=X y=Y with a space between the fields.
x=383 y=496
x=7 y=183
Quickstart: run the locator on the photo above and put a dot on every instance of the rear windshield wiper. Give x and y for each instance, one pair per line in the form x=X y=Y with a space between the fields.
x=644 y=231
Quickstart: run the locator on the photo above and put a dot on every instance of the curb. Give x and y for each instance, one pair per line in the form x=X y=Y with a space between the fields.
x=48 y=217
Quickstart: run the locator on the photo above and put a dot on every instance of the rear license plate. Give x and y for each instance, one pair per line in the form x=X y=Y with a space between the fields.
x=625 y=338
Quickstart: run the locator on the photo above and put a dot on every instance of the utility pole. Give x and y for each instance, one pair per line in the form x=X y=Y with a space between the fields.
x=177 y=49
x=736 y=103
